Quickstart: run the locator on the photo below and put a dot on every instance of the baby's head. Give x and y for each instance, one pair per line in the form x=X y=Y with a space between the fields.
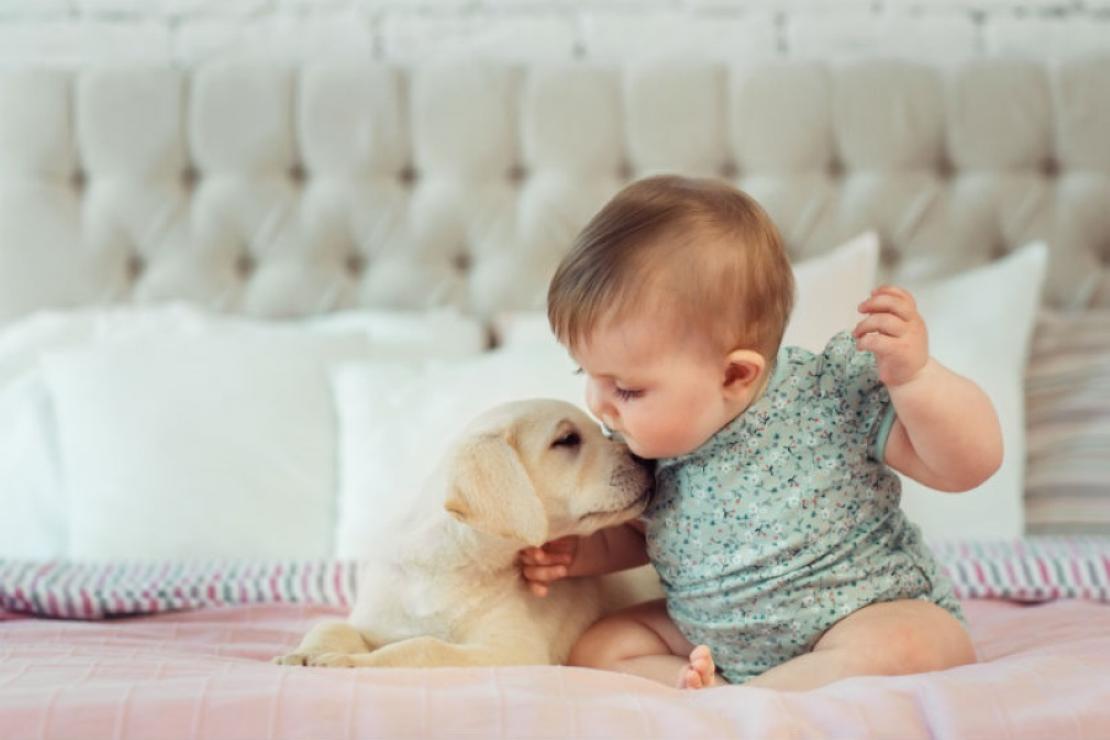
x=673 y=301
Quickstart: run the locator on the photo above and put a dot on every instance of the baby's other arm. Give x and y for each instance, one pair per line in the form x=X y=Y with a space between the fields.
x=609 y=550
x=946 y=434
x=605 y=551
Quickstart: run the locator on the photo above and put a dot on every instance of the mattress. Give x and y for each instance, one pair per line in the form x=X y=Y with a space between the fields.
x=1043 y=671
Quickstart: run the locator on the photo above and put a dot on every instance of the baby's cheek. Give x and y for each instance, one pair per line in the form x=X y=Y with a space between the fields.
x=658 y=439
x=637 y=436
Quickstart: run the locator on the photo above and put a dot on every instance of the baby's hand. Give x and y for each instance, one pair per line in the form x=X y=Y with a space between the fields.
x=895 y=332
x=542 y=565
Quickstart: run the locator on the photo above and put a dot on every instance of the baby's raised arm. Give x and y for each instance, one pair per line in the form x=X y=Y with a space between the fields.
x=946 y=434
x=605 y=551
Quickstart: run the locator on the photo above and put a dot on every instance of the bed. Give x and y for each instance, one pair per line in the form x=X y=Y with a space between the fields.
x=236 y=299
x=205 y=674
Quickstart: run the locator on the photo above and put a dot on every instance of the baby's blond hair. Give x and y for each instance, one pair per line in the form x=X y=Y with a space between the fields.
x=701 y=255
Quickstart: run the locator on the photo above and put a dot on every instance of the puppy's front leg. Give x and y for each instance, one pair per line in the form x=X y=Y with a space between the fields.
x=427 y=652
x=326 y=638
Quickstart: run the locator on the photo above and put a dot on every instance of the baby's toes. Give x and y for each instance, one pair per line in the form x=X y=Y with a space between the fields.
x=701 y=660
x=689 y=678
x=702 y=656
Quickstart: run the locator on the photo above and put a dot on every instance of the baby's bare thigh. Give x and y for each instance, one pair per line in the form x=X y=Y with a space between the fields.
x=641 y=629
x=907 y=635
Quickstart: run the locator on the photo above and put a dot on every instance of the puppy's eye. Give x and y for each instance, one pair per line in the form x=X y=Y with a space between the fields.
x=571 y=439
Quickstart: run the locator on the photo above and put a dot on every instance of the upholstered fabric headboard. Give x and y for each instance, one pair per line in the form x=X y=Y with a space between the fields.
x=282 y=192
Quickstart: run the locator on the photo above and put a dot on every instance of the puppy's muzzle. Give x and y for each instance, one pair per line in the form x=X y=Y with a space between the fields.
x=648 y=465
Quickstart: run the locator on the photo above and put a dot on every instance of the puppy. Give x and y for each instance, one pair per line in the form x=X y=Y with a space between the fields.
x=443 y=587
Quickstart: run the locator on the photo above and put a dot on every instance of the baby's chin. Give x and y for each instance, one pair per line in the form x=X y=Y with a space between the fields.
x=659 y=451
x=661 y=448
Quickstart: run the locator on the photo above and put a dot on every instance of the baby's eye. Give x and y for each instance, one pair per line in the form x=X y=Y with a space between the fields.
x=627 y=395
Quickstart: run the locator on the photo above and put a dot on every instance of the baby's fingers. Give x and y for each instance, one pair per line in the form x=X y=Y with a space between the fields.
x=884 y=323
x=538 y=556
x=887 y=303
x=894 y=290
x=529 y=555
x=544 y=573
x=562 y=545
x=878 y=344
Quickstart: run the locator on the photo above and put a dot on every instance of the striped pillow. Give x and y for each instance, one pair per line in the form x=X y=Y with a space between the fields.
x=1030 y=569
x=1067 y=481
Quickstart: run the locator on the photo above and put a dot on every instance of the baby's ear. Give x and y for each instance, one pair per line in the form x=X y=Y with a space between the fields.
x=743 y=371
x=489 y=489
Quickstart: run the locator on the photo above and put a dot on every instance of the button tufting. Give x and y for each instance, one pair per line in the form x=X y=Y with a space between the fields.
x=408 y=175
x=78 y=180
x=297 y=173
x=624 y=170
x=189 y=177
x=729 y=170
x=355 y=263
x=889 y=256
x=518 y=173
x=461 y=261
x=245 y=264
x=135 y=267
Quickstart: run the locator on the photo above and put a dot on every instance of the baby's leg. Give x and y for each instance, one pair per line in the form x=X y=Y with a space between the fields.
x=642 y=640
x=888 y=638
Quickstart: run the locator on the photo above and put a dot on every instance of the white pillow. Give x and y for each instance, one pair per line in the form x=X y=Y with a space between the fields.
x=434 y=333
x=437 y=332
x=33 y=499
x=33 y=522
x=219 y=445
x=980 y=324
x=827 y=290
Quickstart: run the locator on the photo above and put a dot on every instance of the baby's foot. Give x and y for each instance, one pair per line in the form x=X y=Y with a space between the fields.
x=701 y=672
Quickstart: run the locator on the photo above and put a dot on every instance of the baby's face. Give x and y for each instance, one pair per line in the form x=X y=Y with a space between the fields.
x=657 y=391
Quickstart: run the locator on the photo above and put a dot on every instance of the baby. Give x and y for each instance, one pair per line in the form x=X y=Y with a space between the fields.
x=775 y=526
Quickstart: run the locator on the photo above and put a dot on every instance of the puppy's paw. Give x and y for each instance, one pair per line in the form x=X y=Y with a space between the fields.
x=331 y=660
x=291 y=659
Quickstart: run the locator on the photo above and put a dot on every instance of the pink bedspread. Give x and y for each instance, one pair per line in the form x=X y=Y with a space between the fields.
x=1044 y=673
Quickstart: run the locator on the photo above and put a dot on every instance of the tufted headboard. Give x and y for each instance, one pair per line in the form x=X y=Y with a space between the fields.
x=281 y=192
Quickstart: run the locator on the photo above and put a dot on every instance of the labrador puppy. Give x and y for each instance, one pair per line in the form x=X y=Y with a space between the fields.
x=443 y=588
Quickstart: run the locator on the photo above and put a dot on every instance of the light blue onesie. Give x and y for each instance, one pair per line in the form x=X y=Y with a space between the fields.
x=786 y=520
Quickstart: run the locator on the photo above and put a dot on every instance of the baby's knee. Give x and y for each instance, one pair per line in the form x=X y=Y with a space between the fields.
x=613 y=639
x=900 y=649
x=597 y=646
x=909 y=648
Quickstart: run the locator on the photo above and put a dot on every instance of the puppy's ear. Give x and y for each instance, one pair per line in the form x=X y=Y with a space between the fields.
x=489 y=489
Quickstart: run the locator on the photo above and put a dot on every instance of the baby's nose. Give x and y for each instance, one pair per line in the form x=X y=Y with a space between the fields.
x=612 y=434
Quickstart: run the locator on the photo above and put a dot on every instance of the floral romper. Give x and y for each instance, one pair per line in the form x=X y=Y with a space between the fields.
x=787 y=520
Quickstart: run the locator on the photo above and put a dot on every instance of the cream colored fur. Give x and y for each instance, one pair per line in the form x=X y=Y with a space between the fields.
x=442 y=587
